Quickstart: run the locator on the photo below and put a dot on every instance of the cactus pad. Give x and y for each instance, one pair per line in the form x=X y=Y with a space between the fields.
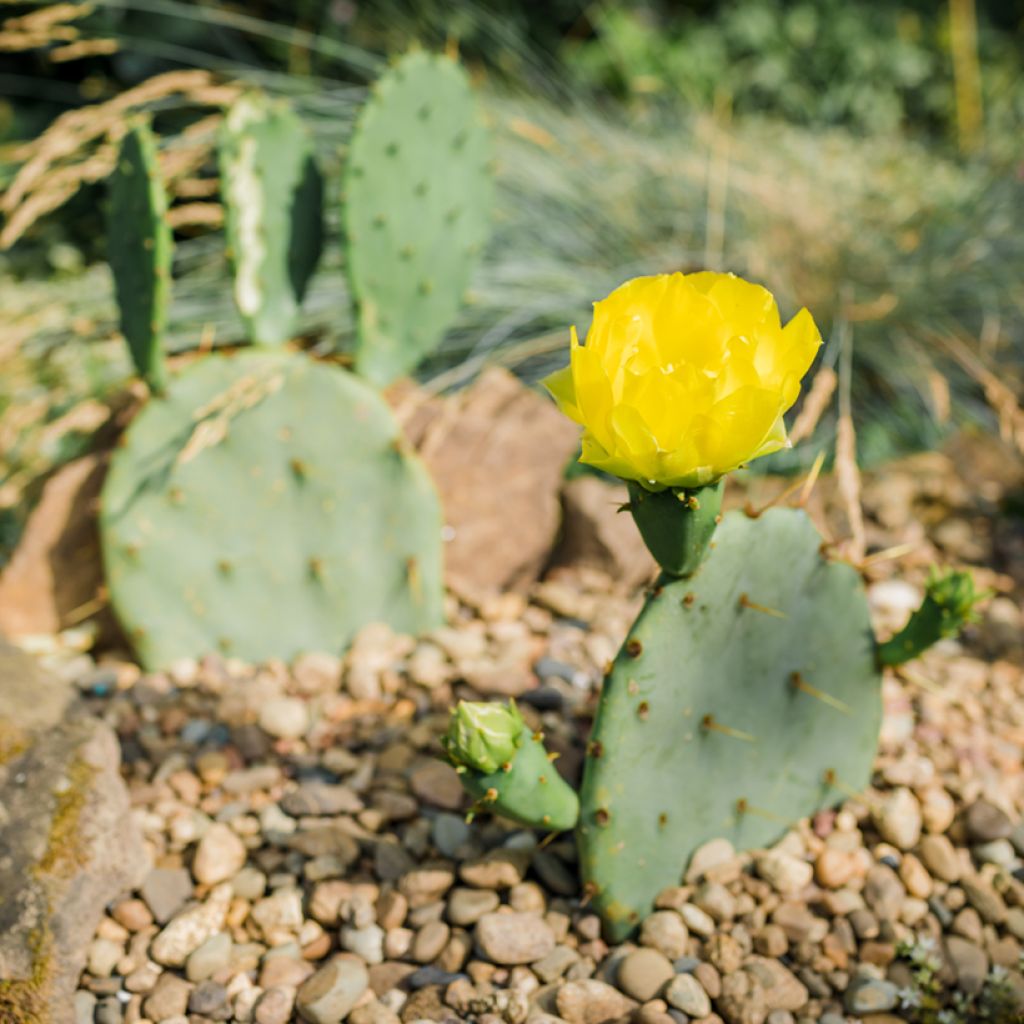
x=744 y=698
x=139 y=250
x=264 y=507
x=417 y=203
x=273 y=203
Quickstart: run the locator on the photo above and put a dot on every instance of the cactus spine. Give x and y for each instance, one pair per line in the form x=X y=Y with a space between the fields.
x=139 y=250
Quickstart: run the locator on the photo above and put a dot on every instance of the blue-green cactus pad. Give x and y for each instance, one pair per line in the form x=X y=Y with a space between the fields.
x=265 y=507
x=662 y=778
x=418 y=191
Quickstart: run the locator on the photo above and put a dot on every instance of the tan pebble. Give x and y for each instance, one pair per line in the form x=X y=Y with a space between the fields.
x=937 y=810
x=771 y=941
x=133 y=914
x=709 y=979
x=834 y=867
x=915 y=877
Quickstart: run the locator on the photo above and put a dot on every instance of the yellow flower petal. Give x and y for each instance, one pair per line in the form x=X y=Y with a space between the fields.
x=684 y=377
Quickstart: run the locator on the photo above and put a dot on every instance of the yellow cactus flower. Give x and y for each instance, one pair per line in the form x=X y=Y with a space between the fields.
x=684 y=377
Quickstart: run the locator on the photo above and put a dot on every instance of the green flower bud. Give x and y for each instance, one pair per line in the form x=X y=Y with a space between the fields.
x=954 y=595
x=483 y=735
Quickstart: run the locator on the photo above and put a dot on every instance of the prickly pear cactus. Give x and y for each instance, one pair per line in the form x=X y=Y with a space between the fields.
x=139 y=250
x=417 y=204
x=266 y=506
x=273 y=205
x=721 y=713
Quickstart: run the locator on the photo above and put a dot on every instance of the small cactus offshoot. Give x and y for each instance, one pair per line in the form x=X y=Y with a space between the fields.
x=950 y=603
x=505 y=767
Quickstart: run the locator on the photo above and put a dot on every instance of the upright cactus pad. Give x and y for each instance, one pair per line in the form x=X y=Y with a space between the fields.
x=744 y=698
x=264 y=507
x=273 y=203
x=417 y=203
x=139 y=250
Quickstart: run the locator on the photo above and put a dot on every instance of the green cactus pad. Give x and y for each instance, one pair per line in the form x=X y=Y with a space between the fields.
x=418 y=190
x=265 y=507
x=744 y=698
x=139 y=247
x=273 y=206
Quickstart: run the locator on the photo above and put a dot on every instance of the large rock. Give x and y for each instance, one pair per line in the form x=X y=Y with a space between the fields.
x=55 y=575
x=68 y=845
x=497 y=452
x=596 y=534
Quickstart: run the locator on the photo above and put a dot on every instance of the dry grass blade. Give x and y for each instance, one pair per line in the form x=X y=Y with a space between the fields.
x=195 y=215
x=999 y=396
x=83 y=48
x=71 y=152
x=815 y=404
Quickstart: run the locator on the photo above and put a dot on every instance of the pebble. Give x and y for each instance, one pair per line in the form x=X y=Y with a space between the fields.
x=285 y=718
x=209 y=958
x=169 y=998
x=643 y=972
x=275 y=1007
x=430 y=941
x=785 y=873
x=698 y=921
x=327 y=996
x=665 y=931
x=437 y=783
x=590 y=1001
x=366 y=942
x=884 y=892
x=835 y=867
x=742 y=999
x=899 y=819
x=937 y=810
x=210 y=999
x=467 y=906
x=870 y=995
x=940 y=858
x=84 y=1007
x=514 y=938
x=685 y=993
x=219 y=856
x=969 y=962
x=986 y=822
x=984 y=898
x=191 y=928
x=716 y=853
x=165 y=891
x=497 y=869
x=104 y=955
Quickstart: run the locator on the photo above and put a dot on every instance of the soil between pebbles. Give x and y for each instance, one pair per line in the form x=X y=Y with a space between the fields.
x=312 y=862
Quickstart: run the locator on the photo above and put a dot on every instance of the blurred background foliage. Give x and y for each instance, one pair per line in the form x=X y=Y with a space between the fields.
x=861 y=159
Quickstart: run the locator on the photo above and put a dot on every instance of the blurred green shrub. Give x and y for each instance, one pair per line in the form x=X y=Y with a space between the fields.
x=873 y=67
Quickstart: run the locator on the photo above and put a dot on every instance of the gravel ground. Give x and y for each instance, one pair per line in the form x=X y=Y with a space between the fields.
x=312 y=861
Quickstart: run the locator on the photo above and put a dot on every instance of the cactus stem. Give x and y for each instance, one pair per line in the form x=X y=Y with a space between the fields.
x=743 y=806
x=745 y=602
x=709 y=724
x=801 y=684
